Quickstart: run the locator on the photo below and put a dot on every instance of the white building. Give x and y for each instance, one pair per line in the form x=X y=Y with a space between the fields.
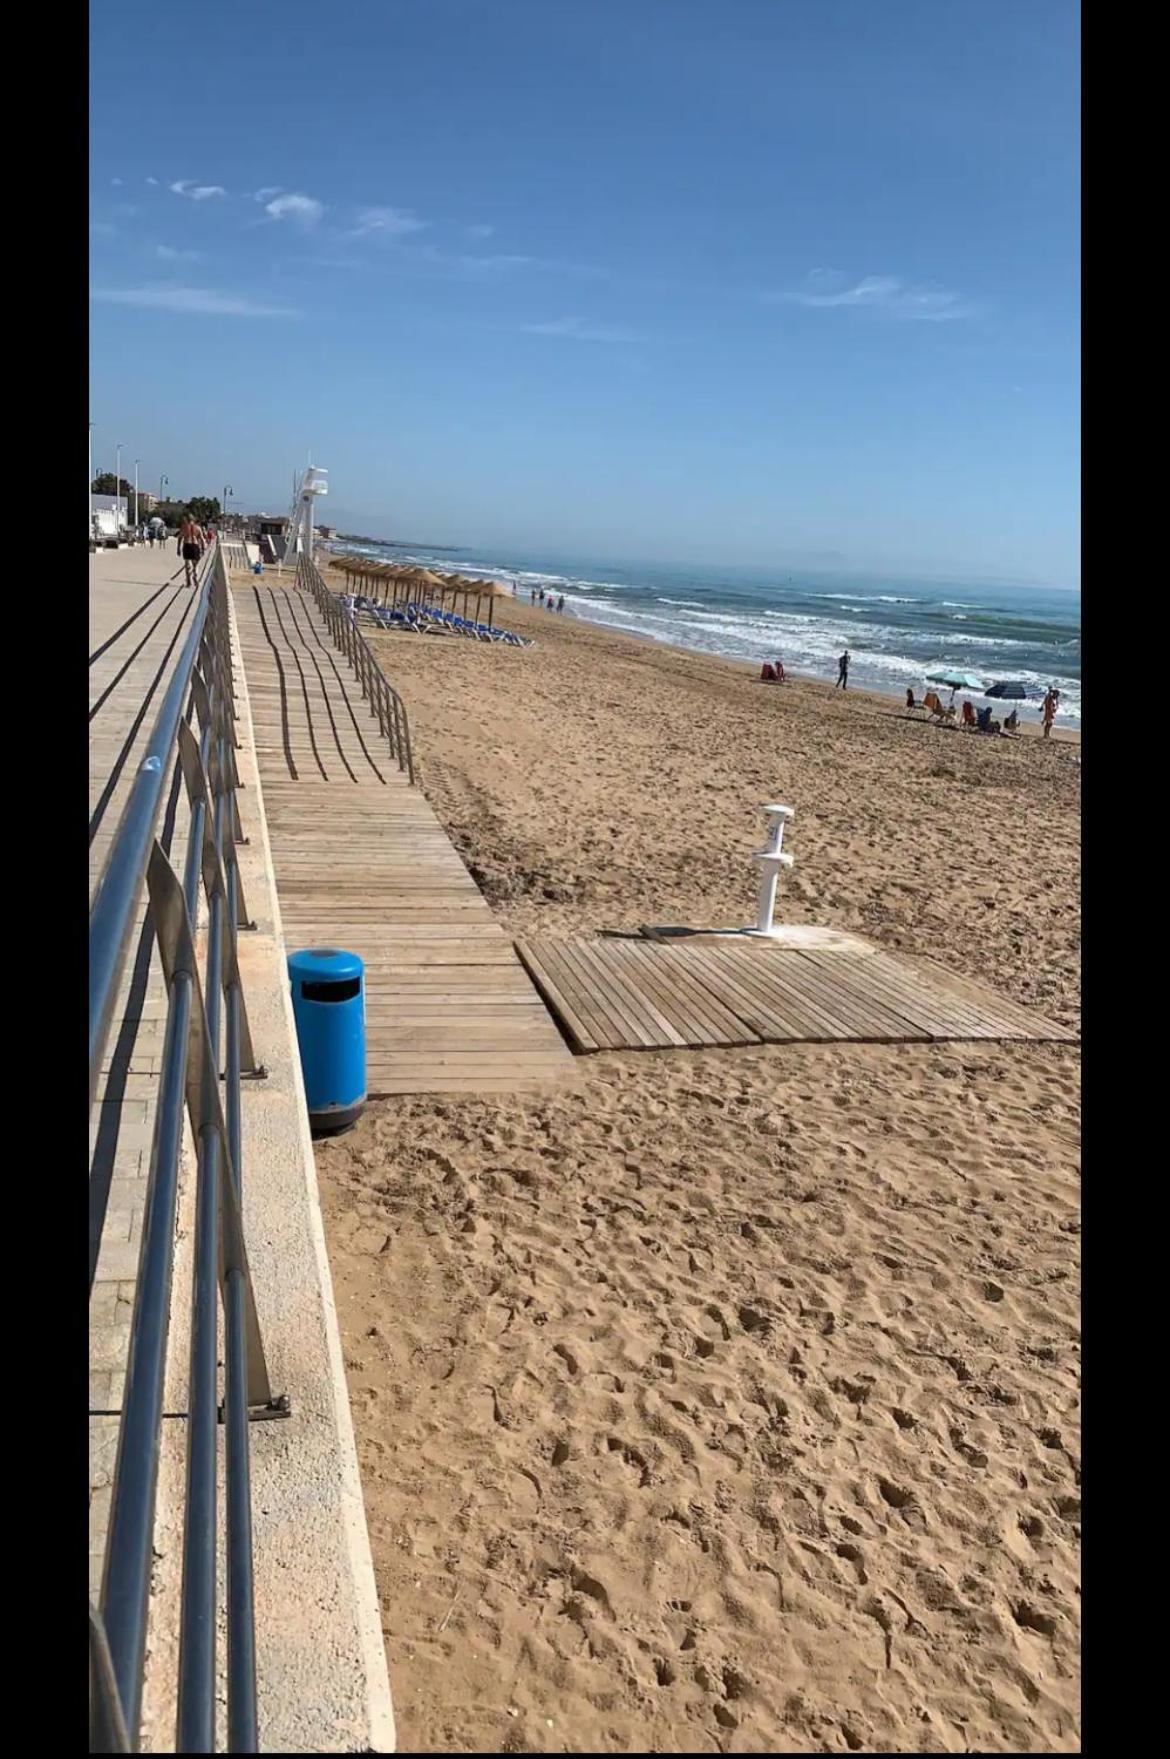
x=114 y=510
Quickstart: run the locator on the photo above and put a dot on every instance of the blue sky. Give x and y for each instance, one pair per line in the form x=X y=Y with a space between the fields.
x=763 y=280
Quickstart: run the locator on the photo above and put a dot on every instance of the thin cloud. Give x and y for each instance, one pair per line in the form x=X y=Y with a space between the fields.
x=581 y=330
x=153 y=180
x=305 y=210
x=480 y=231
x=191 y=302
x=197 y=192
x=168 y=254
x=464 y=266
x=387 y=223
x=487 y=268
x=117 y=182
x=828 y=289
x=266 y=195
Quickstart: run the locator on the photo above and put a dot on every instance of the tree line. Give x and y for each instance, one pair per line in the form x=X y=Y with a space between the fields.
x=203 y=509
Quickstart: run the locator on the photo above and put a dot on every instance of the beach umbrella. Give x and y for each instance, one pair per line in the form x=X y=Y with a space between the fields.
x=1009 y=690
x=956 y=679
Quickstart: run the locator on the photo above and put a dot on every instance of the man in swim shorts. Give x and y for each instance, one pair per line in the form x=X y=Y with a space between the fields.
x=190 y=547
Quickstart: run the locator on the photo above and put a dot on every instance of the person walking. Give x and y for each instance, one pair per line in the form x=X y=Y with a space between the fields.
x=843 y=671
x=561 y=602
x=190 y=547
x=1048 y=709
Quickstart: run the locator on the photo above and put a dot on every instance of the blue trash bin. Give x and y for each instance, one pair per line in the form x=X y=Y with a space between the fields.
x=329 y=1006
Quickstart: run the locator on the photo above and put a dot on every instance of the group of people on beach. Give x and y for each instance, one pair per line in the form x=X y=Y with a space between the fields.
x=546 y=599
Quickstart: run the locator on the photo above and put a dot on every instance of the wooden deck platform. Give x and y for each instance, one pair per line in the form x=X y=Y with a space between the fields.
x=639 y=994
x=362 y=862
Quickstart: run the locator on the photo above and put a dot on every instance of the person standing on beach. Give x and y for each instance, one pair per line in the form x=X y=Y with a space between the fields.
x=843 y=671
x=561 y=602
x=190 y=547
x=1048 y=709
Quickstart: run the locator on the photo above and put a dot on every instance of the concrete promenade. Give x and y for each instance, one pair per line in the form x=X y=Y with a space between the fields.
x=322 y=1681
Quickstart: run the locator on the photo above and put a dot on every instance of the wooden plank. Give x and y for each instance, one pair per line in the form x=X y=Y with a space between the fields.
x=609 y=1030
x=1030 y=1023
x=697 y=1008
x=921 y=1000
x=668 y=996
x=905 y=1020
x=576 y=1020
x=647 y=1020
x=589 y=1007
x=777 y=1017
x=868 y=1013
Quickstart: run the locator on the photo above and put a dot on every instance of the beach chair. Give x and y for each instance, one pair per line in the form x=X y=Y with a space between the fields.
x=938 y=711
x=968 y=718
x=767 y=673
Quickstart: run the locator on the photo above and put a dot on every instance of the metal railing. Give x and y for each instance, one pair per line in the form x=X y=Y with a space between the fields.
x=206 y=1030
x=384 y=700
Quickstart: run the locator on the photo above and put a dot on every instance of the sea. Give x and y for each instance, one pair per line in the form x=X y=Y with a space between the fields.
x=896 y=630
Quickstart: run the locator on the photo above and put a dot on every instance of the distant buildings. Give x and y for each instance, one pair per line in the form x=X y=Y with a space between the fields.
x=110 y=518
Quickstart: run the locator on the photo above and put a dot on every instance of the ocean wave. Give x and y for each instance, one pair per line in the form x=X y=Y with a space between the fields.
x=808 y=644
x=683 y=604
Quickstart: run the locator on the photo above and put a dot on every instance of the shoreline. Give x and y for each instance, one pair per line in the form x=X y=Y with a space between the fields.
x=577 y=608
x=794 y=673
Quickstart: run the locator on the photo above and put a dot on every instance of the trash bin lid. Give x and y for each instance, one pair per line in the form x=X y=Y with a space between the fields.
x=324 y=965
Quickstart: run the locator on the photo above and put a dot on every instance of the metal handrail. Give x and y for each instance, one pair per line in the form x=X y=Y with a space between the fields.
x=384 y=700
x=111 y=915
x=190 y=1078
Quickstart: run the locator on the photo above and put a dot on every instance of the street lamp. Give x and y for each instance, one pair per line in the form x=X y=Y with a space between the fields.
x=136 y=494
x=163 y=482
x=117 y=476
x=91 y=480
x=228 y=492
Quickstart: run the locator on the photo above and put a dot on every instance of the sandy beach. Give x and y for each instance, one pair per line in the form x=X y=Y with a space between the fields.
x=728 y=1401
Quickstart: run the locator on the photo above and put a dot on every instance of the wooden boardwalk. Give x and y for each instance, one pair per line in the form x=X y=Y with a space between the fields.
x=633 y=994
x=362 y=862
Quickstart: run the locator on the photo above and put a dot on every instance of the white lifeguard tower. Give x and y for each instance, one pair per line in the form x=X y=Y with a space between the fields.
x=308 y=487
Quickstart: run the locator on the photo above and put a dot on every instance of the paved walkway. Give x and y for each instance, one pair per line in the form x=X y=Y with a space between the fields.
x=362 y=862
x=138 y=614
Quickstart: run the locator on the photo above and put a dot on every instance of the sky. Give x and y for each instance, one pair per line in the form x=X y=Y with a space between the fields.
x=756 y=281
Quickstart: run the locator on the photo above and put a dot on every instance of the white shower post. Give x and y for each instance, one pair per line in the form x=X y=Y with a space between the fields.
x=771 y=860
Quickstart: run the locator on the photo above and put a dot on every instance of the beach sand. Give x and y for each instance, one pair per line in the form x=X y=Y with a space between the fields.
x=728 y=1401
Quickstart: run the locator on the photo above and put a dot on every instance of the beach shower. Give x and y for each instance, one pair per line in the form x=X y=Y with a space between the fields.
x=771 y=860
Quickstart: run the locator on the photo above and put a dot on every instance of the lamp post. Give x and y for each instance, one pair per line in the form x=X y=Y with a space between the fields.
x=163 y=482
x=91 y=481
x=117 y=478
x=136 y=496
x=228 y=492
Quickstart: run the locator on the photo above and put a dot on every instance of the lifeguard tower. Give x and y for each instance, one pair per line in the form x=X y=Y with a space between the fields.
x=309 y=485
